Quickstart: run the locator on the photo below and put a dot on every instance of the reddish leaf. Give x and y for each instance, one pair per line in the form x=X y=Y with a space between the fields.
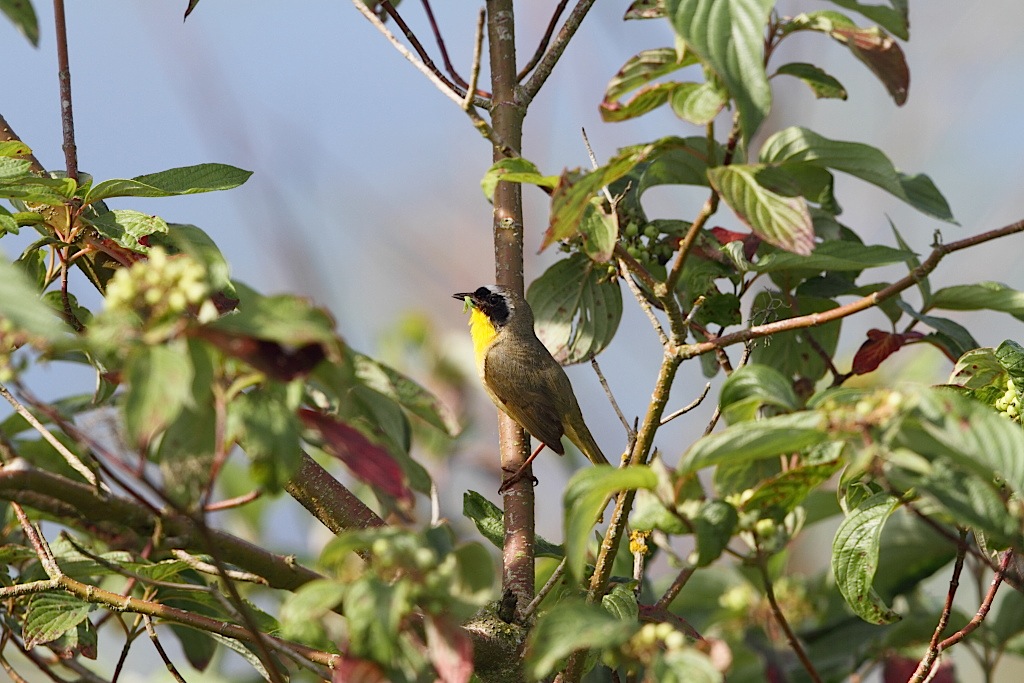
x=749 y=239
x=266 y=356
x=450 y=650
x=354 y=670
x=367 y=461
x=882 y=55
x=879 y=346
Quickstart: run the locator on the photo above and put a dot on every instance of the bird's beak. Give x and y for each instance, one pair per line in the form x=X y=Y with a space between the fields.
x=462 y=296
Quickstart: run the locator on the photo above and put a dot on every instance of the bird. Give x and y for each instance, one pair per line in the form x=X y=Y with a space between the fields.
x=521 y=376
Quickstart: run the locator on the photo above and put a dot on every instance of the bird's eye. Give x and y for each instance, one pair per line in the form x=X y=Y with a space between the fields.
x=482 y=293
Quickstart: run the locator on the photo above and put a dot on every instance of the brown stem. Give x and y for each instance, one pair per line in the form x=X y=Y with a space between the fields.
x=794 y=642
x=67 y=118
x=416 y=45
x=468 y=87
x=507 y=119
x=815 y=319
x=928 y=661
x=986 y=605
x=7 y=134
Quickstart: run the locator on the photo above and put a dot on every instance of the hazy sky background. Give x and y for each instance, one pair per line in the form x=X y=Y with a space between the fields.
x=366 y=190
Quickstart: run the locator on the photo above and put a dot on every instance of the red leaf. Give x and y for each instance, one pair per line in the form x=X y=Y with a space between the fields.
x=266 y=356
x=354 y=670
x=450 y=650
x=749 y=239
x=879 y=346
x=367 y=461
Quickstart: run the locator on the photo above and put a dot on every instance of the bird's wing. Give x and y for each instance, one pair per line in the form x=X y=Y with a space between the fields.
x=531 y=404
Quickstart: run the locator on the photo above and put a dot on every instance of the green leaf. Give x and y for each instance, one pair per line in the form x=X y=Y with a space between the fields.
x=572 y=196
x=21 y=310
x=821 y=83
x=956 y=337
x=647 y=99
x=586 y=495
x=182 y=238
x=750 y=441
x=894 y=19
x=753 y=387
x=990 y=447
x=50 y=615
x=23 y=16
x=645 y=9
x=285 y=318
x=264 y=424
x=600 y=233
x=994 y=296
x=374 y=610
x=855 y=558
x=490 y=522
x=859 y=160
x=127 y=227
x=621 y=602
x=728 y=36
x=782 y=493
x=834 y=255
x=172 y=182
x=923 y=285
x=570 y=626
x=643 y=68
x=159 y=385
x=780 y=220
x=698 y=103
x=517 y=170
x=406 y=393
x=576 y=309
x=14 y=149
x=302 y=610
x=35 y=190
x=714 y=527
x=684 y=164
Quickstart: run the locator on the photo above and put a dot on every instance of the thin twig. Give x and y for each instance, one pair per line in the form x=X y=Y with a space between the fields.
x=690 y=406
x=544 y=41
x=814 y=319
x=611 y=397
x=230 y=503
x=431 y=72
x=673 y=591
x=151 y=630
x=67 y=118
x=415 y=42
x=794 y=642
x=645 y=305
x=594 y=164
x=547 y=63
x=207 y=568
x=474 y=71
x=928 y=661
x=552 y=581
x=986 y=605
x=471 y=86
x=73 y=460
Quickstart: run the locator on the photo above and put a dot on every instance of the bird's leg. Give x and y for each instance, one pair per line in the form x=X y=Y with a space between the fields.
x=521 y=472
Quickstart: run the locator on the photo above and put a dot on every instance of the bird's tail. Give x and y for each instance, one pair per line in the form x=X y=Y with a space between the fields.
x=584 y=440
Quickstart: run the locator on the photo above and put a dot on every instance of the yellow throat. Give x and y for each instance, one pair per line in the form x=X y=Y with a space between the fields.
x=483 y=333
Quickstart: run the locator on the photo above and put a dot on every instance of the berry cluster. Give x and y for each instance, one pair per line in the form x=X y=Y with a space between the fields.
x=160 y=288
x=1009 y=404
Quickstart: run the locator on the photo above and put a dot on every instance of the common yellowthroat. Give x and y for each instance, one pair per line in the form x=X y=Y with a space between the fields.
x=521 y=376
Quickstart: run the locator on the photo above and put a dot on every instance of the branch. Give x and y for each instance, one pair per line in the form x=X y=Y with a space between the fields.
x=928 y=661
x=791 y=638
x=543 y=45
x=814 y=319
x=114 y=517
x=67 y=118
x=471 y=86
x=547 y=63
x=986 y=605
x=7 y=134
